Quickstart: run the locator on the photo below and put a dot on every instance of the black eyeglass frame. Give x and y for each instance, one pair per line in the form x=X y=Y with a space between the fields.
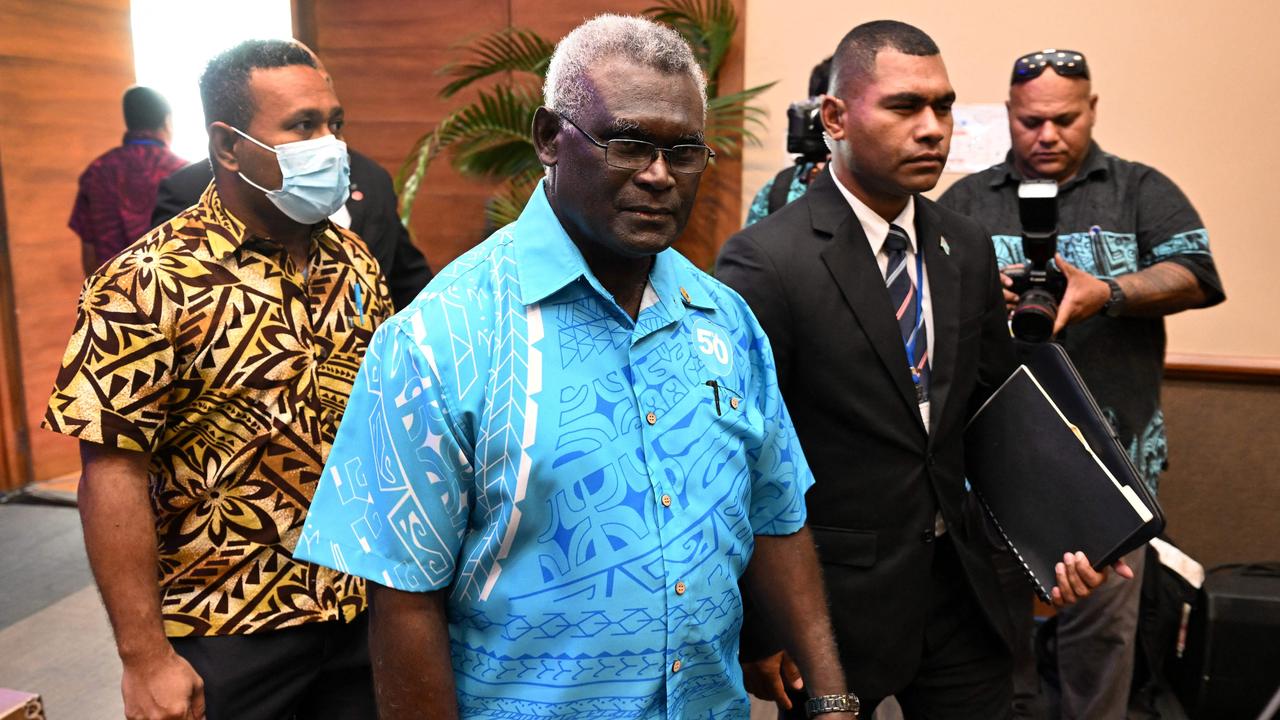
x=653 y=153
x=1067 y=63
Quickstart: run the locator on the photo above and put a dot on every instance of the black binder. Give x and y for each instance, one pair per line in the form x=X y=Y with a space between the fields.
x=1048 y=468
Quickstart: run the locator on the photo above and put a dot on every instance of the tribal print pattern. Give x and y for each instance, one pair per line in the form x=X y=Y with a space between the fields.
x=207 y=348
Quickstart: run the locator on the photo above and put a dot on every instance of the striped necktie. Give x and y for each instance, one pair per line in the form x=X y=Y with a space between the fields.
x=906 y=301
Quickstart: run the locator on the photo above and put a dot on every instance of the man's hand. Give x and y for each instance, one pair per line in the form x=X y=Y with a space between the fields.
x=1084 y=297
x=1077 y=578
x=1010 y=297
x=162 y=687
x=785 y=581
x=769 y=678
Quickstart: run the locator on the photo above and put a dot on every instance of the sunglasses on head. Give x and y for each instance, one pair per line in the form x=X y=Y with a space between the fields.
x=1067 y=63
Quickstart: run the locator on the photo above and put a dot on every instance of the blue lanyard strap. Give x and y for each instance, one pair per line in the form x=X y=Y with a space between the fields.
x=911 y=344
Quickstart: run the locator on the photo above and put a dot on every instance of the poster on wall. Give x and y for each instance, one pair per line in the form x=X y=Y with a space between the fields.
x=980 y=137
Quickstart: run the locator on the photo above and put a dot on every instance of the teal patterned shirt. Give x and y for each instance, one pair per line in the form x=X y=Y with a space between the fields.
x=586 y=487
x=760 y=204
x=1114 y=217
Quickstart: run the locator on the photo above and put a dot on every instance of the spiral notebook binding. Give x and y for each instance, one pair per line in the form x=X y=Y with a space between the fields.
x=1040 y=588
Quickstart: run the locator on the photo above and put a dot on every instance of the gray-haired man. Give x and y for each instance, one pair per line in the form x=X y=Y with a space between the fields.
x=561 y=458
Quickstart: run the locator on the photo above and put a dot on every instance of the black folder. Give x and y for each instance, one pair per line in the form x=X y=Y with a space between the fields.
x=1049 y=470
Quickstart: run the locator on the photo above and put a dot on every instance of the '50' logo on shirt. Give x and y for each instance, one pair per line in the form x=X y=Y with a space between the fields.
x=713 y=345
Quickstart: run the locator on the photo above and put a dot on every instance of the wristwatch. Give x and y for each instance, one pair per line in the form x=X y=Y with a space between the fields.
x=847 y=702
x=1114 y=304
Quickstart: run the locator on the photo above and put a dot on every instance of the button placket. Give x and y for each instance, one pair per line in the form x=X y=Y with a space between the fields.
x=649 y=435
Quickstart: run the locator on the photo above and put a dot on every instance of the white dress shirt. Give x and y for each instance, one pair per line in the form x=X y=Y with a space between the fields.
x=876 y=229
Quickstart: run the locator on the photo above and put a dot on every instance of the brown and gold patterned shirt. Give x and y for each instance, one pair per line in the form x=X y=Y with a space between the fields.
x=208 y=348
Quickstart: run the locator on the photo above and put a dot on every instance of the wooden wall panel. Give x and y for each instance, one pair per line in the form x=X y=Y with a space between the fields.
x=1222 y=490
x=15 y=445
x=384 y=59
x=63 y=67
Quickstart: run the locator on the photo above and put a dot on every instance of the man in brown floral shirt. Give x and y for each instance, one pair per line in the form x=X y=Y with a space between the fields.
x=208 y=371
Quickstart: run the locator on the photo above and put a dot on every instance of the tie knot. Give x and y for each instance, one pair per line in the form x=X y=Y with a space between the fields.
x=896 y=240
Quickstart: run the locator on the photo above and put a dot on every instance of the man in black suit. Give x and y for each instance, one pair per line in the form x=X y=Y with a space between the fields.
x=880 y=379
x=372 y=211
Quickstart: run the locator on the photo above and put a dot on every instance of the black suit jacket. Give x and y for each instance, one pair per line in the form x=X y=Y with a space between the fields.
x=373 y=217
x=809 y=275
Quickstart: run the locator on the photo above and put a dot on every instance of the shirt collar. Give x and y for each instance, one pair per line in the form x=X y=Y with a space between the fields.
x=875 y=227
x=547 y=260
x=226 y=234
x=143 y=137
x=1095 y=164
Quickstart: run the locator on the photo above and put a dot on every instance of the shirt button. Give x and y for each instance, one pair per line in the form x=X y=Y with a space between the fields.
x=675 y=666
x=681 y=587
x=666 y=501
x=651 y=418
x=733 y=403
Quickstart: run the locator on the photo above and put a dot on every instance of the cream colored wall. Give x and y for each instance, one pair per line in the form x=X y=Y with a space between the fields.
x=1191 y=88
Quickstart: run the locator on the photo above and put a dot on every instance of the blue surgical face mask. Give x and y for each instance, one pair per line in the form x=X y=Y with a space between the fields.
x=317 y=177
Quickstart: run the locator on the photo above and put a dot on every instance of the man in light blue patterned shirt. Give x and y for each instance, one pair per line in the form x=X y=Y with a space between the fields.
x=560 y=460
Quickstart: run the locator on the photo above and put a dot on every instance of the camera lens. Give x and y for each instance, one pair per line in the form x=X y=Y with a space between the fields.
x=1034 y=315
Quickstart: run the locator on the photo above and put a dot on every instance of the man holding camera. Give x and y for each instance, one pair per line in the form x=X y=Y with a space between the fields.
x=1133 y=250
x=804 y=139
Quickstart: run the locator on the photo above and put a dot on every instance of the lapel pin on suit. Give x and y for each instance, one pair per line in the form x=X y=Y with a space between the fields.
x=945 y=247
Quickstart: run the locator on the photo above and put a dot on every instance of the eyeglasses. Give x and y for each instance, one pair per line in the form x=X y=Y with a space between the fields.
x=1067 y=63
x=636 y=155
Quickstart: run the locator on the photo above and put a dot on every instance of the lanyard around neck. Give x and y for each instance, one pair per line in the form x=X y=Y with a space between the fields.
x=911 y=343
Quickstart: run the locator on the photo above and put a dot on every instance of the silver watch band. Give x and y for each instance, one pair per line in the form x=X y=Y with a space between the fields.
x=821 y=705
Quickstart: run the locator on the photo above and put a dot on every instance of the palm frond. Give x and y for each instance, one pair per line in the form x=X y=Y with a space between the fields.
x=505 y=207
x=408 y=179
x=732 y=120
x=489 y=137
x=707 y=25
x=507 y=50
x=498 y=119
x=499 y=159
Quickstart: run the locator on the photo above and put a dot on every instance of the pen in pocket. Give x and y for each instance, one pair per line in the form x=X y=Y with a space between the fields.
x=358 y=294
x=715 y=389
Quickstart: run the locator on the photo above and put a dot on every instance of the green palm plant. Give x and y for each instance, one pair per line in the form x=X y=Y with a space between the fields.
x=489 y=137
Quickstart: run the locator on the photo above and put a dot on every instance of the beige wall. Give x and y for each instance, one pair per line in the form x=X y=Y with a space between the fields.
x=1187 y=87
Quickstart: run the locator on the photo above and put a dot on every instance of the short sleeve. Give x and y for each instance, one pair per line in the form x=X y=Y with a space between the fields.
x=114 y=382
x=1170 y=230
x=391 y=504
x=780 y=475
x=81 y=221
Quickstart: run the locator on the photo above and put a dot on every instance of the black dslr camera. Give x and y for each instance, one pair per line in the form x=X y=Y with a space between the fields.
x=1039 y=284
x=804 y=131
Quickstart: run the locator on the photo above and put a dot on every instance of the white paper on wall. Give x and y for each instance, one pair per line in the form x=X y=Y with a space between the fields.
x=980 y=137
